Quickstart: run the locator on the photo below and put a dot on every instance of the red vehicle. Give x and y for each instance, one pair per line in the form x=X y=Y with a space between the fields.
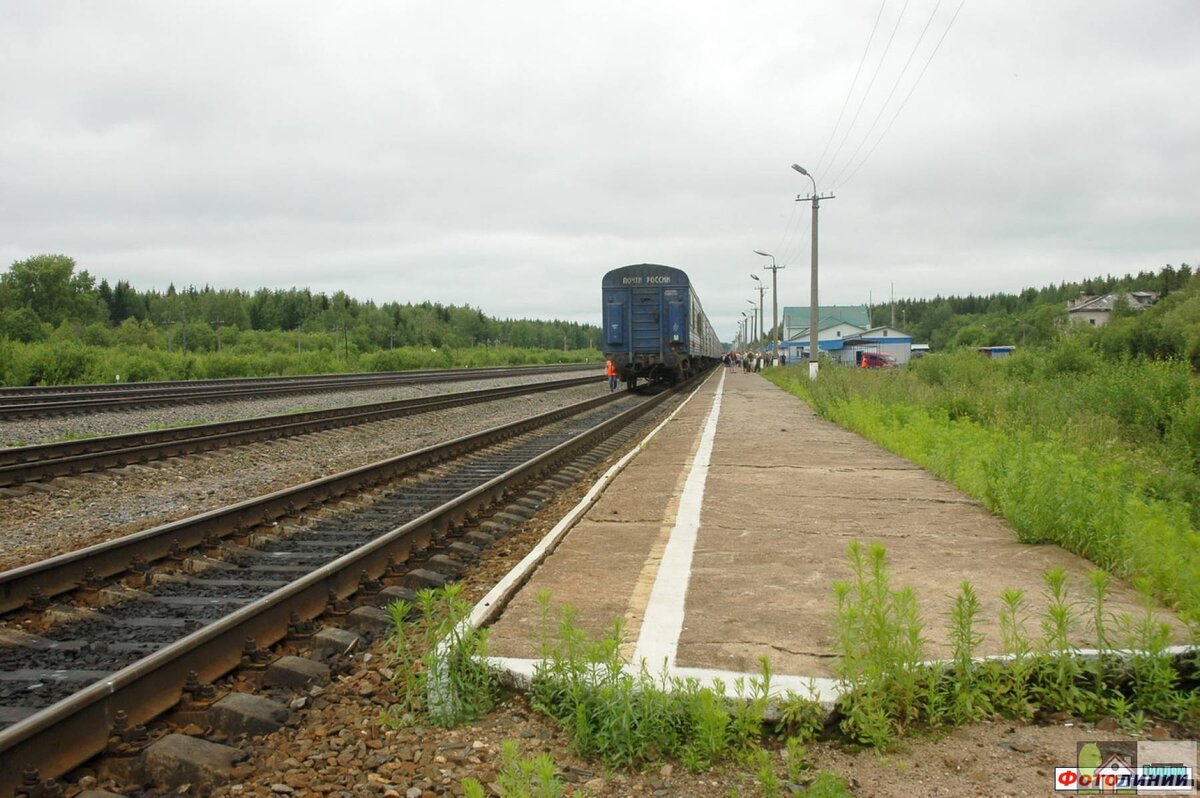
x=876 y=360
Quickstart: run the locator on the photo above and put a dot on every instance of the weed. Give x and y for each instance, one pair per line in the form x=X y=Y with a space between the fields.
x=796 y=760
x=827 y=785
x=441 y=671
x=1010 y=680
x=888 y=689
x=530 y=777
x=801 y=717
x=970 y=701
x=1058 y=670
x=629 y=718
x=881 y=646
x=1154 y=680
x=764 y=773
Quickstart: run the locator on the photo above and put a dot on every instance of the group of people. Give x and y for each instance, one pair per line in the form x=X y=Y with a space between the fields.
x=751 y=362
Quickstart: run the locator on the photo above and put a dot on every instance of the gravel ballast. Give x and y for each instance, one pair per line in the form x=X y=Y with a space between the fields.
x=30 y=431
x=72 y=512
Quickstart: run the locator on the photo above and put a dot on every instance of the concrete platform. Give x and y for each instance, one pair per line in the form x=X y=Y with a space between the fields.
x=719 y=540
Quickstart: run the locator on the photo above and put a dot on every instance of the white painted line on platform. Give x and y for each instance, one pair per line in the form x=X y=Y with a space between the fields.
x=662 y=624
x=498 y=597
x=521 y=671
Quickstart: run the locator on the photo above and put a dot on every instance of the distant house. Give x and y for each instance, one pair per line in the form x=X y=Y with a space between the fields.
x=1097 y=310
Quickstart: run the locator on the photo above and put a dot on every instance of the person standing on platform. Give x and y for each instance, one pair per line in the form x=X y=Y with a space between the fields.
x=610 y=371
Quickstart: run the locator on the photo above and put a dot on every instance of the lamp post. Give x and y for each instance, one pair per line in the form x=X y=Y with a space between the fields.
x=745 y=330
x=761 y=289
x=814 y=351
x=755 y=330
x=774 y=296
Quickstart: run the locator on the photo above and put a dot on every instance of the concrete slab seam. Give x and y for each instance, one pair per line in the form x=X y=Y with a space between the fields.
x=662 y=624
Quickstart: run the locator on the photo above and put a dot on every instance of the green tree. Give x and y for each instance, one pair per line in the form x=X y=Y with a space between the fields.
x=49 y=285
x=21 y=324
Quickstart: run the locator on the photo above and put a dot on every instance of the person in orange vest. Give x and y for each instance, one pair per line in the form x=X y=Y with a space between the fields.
x=610 y=370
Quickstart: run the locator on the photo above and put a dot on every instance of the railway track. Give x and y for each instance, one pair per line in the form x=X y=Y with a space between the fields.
x=59 y=400
x=19 y=465
x=266 y=568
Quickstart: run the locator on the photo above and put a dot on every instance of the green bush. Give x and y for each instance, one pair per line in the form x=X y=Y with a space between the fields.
x=63 y=360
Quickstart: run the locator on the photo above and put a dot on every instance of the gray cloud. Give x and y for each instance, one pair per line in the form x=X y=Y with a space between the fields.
x=506 y=155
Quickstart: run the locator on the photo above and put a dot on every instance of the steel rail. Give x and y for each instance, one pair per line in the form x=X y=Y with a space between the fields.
x=7 y=393
x=67 y=571
x=62 y=404
x=66 y=734
x=32 y=463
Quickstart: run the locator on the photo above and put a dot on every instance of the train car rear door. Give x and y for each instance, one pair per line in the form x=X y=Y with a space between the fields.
x=677 y=318
x=646 y=320
x=615 y=326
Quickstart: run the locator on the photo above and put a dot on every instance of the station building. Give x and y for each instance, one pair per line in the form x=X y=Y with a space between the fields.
x=843 y=331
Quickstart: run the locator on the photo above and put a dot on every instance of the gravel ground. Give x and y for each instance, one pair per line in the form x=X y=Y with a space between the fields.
x=25 y=432
x=72 y=512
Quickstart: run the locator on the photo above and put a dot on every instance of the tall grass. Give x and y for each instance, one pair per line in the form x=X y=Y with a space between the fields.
x=1100 y=457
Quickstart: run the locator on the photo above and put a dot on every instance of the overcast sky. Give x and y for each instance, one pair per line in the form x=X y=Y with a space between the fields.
x=506 y=155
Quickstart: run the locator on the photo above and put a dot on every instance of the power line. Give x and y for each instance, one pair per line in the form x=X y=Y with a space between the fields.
x=910 y=93
x=870 y=85
x=788 y=230
x=853 y=83
x=891 y=93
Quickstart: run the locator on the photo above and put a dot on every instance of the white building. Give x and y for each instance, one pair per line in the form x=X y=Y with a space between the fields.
x=1097 y=310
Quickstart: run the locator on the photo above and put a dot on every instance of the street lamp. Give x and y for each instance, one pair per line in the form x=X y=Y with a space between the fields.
x=813 y=320
x=761 y=289
x=774 y=296
x=755 y=330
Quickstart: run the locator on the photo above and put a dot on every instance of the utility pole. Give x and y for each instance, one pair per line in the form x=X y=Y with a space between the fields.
x=813 y=316
x=761 y=289
x=774 y=269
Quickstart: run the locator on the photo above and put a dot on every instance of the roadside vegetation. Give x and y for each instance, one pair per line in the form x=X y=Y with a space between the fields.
x=623 y=719
x=1130 y=676
x=634 y=720
x=1098 y=455
x=59 y=326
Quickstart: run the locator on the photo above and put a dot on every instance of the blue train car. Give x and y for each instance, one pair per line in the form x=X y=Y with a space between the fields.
x=655 y=329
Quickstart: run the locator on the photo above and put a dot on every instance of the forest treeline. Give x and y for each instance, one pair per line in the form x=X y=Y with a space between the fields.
x=1038 y=316
x=42 y=293
x=59 y=325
